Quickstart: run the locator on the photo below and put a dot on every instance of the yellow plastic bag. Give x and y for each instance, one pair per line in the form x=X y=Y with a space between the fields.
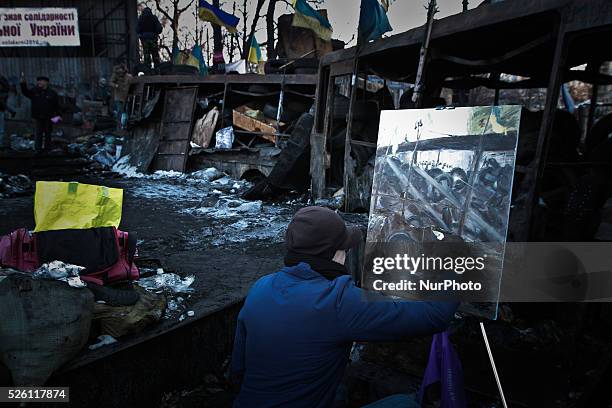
x=59 y=205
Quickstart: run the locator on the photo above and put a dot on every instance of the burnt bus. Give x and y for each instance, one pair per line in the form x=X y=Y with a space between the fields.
x=503 y=53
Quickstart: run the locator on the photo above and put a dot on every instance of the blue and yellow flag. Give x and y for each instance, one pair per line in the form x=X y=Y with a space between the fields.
x=373 y=20
x=307 y=17
x=189 y=59
x=197 y=53
x=255 y=52
x=215 y=15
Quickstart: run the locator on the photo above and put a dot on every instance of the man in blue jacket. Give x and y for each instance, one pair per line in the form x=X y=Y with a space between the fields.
x=296 y=328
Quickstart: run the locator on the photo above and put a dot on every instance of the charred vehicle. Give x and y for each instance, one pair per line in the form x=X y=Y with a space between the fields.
x=494 y=54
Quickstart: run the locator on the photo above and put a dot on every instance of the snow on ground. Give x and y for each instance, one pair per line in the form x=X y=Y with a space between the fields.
x=216 y=196
x=173 y=185
x=237 y=220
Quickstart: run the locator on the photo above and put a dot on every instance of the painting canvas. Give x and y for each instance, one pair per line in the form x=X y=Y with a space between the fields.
x=442 y=190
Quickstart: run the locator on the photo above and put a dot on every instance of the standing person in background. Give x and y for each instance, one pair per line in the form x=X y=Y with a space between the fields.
x=102 y=93
x=4 y=107
x=120 y=82
x=148 y=29
x=45 y=105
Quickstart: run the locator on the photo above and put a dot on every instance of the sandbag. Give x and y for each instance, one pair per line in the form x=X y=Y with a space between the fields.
x=120 y=321
x=43 y=325
x=60 y=205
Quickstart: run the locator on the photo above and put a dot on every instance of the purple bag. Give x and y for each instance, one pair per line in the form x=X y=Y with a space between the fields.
x=444 y=367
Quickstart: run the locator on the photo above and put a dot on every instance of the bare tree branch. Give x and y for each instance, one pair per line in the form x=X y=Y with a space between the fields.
x=245 y=45
x=161 y=10
x=186 y=7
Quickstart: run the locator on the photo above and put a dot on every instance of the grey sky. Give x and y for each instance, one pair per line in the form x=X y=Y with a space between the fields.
x=344 y=15
x=403 y=14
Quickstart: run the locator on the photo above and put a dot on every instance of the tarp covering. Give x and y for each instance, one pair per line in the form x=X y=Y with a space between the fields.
x=60 y=205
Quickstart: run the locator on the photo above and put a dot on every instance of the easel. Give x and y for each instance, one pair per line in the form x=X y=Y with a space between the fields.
x=492 y=361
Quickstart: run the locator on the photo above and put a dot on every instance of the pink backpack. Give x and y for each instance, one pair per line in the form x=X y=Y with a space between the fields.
x=18 y=251
x=21 y=250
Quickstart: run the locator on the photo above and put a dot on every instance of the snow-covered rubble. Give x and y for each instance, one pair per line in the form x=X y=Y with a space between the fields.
x=229 y=207
x=15 y=186
x=173 y=287
x=57 y=270
x=239 y=221
x=213 y=195
x=168 y=282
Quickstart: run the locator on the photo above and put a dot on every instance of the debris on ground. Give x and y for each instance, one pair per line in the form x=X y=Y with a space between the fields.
x=57 y=270
x=122 y=320
x=67 y=156
x=101 y=149
x=15 y=186
x=225 y=138
x=103 y=340
x=21 y=143
x=212 y=393
x=210 y=174
x=335 y=202
x=172 y=286
x=168 y=282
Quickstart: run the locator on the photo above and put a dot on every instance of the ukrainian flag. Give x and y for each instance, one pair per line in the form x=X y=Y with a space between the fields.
x=255 y=52
x=373 y=20
x=215 y=15
x=197 y=53
x=307 y=17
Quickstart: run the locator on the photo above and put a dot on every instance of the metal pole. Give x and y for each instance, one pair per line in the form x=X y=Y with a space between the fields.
x=279 y=111
x=353 y=86
x=552 y=96
x=418 y=83
x=499 y=386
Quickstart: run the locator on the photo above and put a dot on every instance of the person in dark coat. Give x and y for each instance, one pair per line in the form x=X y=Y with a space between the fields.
x=148 y=29
x=295 y=330
x=45 y=105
